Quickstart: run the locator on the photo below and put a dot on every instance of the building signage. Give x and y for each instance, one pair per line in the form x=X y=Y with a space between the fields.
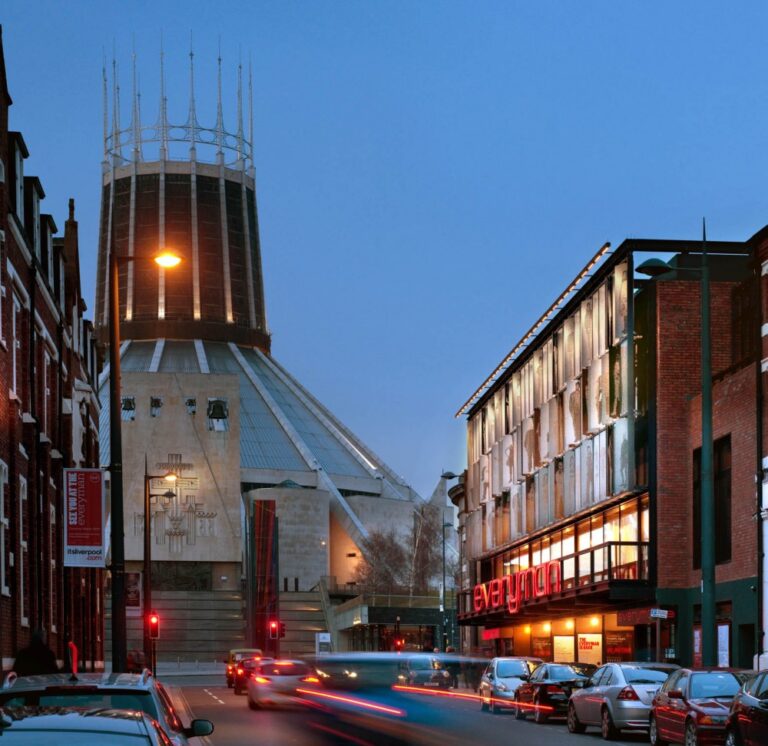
x=590 y=649
x=84 y=518
x=511 y=590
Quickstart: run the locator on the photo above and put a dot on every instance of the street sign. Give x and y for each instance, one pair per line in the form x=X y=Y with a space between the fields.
x=659 y=613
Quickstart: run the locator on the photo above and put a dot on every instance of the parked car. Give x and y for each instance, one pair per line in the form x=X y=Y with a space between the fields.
x=618 y=696
x=275 y=682
x=122 y=691
x=501 y=679
x=546 y=692
x=80 y=726
x=424 y=670
x=243 y=670
x=692 y=706
x=747 y=722
x=234 y=657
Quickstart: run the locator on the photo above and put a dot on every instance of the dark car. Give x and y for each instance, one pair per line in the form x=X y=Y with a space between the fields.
x=692 y=706
x=242 y=672
x=545 y=694
x=424 y=670
x=747 y=722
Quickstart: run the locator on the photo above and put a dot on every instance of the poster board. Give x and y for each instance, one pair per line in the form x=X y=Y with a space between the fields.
x=564 y=648
x=84 y=518
x=590 y=648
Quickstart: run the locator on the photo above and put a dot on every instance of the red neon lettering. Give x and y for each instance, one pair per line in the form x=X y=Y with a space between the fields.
x=512 y=590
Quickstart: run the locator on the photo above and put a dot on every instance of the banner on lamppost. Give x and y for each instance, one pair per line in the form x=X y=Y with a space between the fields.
x=84 y=518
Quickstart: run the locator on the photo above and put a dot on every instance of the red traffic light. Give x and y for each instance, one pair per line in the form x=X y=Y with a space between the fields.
x=154 y=625
x=273 y=629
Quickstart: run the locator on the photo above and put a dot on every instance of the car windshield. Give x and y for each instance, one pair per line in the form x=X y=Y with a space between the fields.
x=505 y=669
x=285 y=668
x=563 y=673
x=641 y=675
x=71 y=697
x=705 y=685
x=424 y=664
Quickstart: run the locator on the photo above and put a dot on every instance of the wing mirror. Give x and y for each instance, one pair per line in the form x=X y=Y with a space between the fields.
x=199 y=728
x=490 y=675
x=524 y=677
x=675 y=694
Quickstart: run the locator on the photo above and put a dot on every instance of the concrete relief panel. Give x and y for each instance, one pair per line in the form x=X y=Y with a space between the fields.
x=545 y=441
x=516 y=510
x=600 y=466
x=595 y=396
x=587 y=454
x=604 y=386
x=571 y=480
x=517 y=400
x=586 y=332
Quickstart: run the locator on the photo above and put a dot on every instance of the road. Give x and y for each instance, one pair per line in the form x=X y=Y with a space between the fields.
x=453 y=720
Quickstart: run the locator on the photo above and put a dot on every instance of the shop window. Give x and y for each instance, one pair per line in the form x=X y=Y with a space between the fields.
x=721 y=478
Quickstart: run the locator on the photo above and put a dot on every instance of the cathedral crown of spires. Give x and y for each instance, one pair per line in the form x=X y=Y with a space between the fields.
x=166 y=140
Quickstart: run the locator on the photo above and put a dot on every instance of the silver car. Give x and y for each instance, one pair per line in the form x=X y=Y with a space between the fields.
x=618 y=696
x=280 y=682
x=501 y=679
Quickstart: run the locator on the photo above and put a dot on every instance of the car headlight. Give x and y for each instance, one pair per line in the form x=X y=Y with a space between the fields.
x=501 y=687
x=445 y=674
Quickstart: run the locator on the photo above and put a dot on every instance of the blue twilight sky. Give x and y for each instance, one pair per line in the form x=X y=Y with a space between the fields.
x=430 y=174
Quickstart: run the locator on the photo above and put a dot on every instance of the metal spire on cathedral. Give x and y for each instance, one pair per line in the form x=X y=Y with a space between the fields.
x=105 y=106
x=192 y=117
x=117 y=153
x=250 y=112
x=219 y=116
x=135 y=113
x=163 y=123
x=240 y=149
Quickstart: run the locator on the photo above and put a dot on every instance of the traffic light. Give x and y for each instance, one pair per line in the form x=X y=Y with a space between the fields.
x=282 y=629
x=154 y=625
x=273 y=629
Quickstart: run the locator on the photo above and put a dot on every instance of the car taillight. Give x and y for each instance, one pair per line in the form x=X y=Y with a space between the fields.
x=229 y=669
x=553 y=689
x=628 y=693
x=240 y=671
x=311 y=680
x=261 y=679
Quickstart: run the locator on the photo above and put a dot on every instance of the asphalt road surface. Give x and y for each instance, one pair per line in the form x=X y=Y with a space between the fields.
x=445 y=720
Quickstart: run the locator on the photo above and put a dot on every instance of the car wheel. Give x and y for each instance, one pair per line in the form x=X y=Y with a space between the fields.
x=238 y=691
x=691 y=736
x=653 y=732
x=574 y=724
x=732 y=738
x=229 y=684
x=519 y=711
x=495 y=709
x=540 y=716
x=607 y=728
x=252 y=704
x=483 y=703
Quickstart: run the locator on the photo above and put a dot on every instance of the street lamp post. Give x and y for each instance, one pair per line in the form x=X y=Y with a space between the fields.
x=657 y=268
x=443 y=605
x=117 y=533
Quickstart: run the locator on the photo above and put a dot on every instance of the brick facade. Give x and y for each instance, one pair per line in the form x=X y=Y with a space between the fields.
x=48 y=415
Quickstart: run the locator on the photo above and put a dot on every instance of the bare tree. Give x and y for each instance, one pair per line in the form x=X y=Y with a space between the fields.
x=384 y=565
x=425 y=548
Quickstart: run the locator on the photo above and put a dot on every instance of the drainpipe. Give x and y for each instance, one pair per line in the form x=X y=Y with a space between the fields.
x=761 y=659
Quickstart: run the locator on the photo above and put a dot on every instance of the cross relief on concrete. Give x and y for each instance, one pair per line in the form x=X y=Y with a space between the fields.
x=178 y=513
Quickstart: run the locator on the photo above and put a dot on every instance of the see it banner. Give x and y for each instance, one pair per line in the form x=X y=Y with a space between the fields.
x=84 y=518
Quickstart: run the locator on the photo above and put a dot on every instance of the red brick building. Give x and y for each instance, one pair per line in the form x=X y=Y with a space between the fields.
x=48 y=414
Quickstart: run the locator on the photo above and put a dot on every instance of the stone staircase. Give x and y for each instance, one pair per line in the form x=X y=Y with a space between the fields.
x=195 y=626
x=302 y=613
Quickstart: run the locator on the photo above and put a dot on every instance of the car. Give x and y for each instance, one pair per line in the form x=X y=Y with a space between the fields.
x=747 y=722
x=243 y=669
x=501 y=679
x=123 y=691
x=545 y=694
x=692 y=706
x=236 y=655
x=275 y=682
x=81 y=726
x=424 y=670
x=617 y=697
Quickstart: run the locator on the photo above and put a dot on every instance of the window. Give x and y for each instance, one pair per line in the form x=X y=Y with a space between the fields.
x=15 y=344
x=128 y=409
x=721 y=479
x=24 y=551
x=191 y=405
x=52 y=551
x=4 y=526
x=155 y=405
x=46 y=389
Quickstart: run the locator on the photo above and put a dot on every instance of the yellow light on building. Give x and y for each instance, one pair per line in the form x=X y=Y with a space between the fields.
x=547 y=627
x=594 y=621
x=167 y=259
x=527 y=629
x=569 y=624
